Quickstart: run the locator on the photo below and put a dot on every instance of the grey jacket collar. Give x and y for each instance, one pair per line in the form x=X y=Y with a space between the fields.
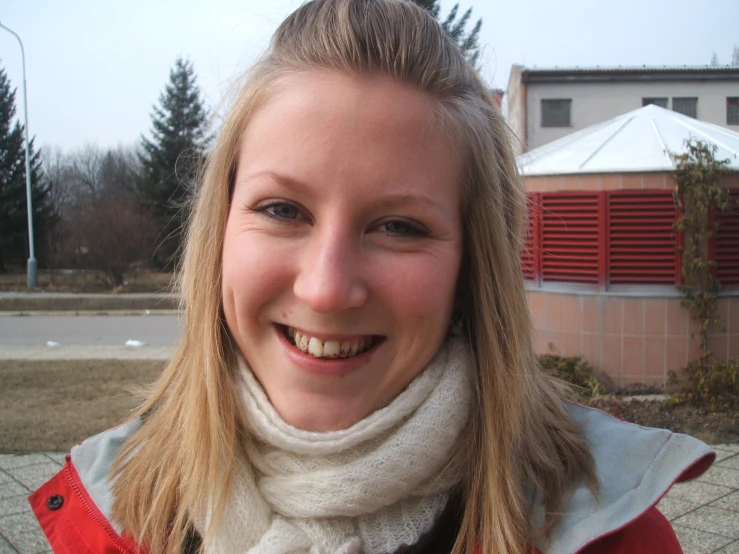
x=635 y=466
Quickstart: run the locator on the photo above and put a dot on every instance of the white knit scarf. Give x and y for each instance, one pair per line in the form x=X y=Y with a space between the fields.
x=371 y=488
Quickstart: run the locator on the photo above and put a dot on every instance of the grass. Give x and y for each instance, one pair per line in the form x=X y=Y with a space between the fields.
x=87 y=281
x=52 y=405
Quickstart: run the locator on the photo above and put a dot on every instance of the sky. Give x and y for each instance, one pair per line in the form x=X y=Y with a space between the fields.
x=95 y=69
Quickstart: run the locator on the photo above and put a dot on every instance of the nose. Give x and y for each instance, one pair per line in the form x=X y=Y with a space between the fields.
x=330 y=277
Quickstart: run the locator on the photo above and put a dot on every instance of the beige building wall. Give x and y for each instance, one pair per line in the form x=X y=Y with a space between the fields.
x=629 y=339
x=609 y=181
x=606 y=181
x=597 y=102
x=516 y=109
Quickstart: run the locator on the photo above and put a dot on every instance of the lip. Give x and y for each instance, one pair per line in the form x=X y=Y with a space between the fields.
x=324 y=366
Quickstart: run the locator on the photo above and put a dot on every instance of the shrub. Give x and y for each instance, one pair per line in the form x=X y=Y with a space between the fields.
x=574 y=370
x=709 y=384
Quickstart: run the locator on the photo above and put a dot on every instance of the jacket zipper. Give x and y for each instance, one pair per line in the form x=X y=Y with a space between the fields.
x=101 y=522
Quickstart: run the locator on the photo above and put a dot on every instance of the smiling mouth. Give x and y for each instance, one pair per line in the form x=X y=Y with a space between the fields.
x=329 y=349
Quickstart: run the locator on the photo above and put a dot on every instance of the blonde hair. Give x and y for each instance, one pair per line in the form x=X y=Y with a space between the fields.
x=523 y=446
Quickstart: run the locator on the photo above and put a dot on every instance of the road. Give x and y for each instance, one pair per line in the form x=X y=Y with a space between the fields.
x=88 y=330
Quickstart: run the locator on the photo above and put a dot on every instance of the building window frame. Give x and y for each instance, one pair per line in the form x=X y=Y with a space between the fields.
x=661 y=101
x=732 y=110
x=556 y=112
x=686 y=105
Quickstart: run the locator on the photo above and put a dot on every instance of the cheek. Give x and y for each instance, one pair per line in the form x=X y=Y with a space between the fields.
x=420 y=292
x=254 y=274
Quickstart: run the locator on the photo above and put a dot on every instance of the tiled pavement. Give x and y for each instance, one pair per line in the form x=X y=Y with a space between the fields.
x=19 y=475
x=704 y=512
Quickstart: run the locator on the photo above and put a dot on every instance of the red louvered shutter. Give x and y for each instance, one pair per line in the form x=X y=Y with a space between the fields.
x=727 y=244
x=572 y=226
x=641 y=240
x=530 y=253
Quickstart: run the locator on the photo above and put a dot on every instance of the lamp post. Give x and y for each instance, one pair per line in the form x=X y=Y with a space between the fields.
x=32 y=265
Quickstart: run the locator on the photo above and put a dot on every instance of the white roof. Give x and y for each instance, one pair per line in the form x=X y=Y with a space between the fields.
x=637 y=141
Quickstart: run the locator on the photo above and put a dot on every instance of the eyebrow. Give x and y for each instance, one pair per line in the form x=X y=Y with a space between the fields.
x=389 y=201
x=399 y=199
x=293 y=184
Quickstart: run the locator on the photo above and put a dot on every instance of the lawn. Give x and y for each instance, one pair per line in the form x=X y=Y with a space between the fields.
x=53 y=405
x=86 y=281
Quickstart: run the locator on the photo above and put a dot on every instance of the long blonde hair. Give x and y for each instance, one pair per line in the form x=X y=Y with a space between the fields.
x=523 y=445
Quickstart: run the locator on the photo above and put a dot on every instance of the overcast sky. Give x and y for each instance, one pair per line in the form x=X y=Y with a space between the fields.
x=95 y=68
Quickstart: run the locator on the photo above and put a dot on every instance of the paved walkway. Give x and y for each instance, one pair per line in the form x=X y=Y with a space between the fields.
x=704 y=512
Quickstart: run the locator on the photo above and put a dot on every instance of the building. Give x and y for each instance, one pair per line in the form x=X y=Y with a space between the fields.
x=547 y=104
x=602 y=261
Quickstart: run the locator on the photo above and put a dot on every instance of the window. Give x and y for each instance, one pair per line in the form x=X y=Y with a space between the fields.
x=571 y=228
x=661 y=102
x=685 y=106
x=530 y=257
x=726 y=240
x=641 y=241
x=607 y=237
x=732 y=111
x=618 y=237
x=556 y=113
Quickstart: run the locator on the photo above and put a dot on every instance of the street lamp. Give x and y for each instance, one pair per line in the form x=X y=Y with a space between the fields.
x=32 y=265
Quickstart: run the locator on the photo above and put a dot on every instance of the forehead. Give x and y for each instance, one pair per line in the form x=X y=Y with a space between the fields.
x=333 y=127
x=379 y=97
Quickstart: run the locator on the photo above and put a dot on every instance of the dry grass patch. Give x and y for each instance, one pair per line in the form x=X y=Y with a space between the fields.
x=86 y=282
x=52 y=405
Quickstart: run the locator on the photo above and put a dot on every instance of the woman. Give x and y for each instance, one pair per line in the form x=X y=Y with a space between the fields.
x=356 y=372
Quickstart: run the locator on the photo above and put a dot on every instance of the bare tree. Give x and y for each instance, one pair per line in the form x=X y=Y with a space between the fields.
x=735 y=56
x=714 y=60
x=111 y=234
x=107 y=226
x=84 y=167
x=55 y=171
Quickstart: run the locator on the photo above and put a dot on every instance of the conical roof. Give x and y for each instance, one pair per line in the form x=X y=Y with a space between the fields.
x=637 y=141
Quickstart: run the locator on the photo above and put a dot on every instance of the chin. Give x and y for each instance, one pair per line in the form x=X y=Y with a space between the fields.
x=311 y=412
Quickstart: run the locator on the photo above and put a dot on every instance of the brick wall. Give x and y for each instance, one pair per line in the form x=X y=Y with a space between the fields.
x=629 y=339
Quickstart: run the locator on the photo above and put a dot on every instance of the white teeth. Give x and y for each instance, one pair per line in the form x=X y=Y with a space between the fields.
x=301 y=341
x=329 y=349
x=315 y=347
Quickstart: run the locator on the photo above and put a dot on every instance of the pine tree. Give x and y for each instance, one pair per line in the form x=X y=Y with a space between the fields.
x=468 y=42
x=13 y=202
x=171 y=158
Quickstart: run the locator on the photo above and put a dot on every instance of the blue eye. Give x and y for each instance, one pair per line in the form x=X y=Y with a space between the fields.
x=280 y=210
x=402 y=228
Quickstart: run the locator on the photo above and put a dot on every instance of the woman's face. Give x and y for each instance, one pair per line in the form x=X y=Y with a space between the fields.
x=343 y=245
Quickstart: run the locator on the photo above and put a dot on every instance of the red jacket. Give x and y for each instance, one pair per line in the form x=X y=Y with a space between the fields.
x=636 y=467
